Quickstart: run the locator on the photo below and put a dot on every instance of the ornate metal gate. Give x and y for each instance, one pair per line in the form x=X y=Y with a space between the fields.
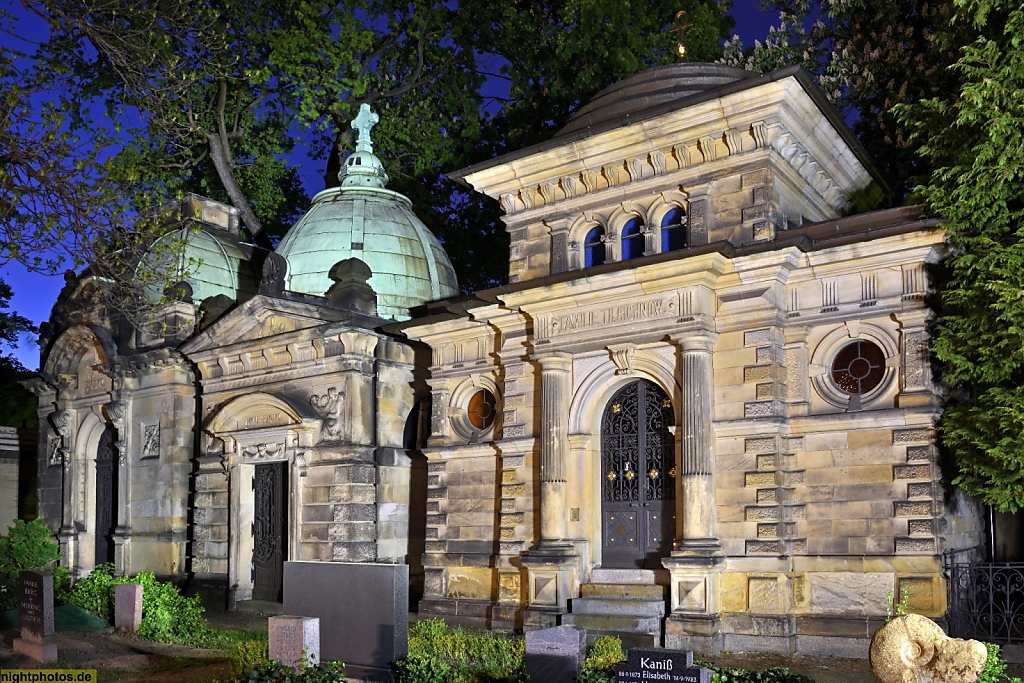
x=986 y=600
x=268 y=531
x=638 y=477
x=106 y=495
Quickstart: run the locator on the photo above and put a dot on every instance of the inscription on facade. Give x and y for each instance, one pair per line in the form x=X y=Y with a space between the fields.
x=271 y=420
x=568 y=323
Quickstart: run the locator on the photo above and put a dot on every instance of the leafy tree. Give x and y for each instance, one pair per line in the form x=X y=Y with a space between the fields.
x=868 y=56
x=974 y=138
x=17 y=405
x=222 y=86
x=553 y=56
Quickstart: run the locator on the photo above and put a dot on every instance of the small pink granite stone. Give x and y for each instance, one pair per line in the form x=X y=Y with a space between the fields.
x=294 y=640
x=128 y=607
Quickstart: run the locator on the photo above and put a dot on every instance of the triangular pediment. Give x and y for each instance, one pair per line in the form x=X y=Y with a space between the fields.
x=258 y=318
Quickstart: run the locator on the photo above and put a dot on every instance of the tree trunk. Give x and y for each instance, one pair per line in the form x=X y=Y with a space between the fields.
x=222 y=162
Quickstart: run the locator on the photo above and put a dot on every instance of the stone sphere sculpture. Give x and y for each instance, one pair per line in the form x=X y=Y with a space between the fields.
x=914 y=649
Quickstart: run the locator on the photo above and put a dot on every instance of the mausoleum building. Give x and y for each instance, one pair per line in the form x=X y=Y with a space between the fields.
x=701 y=411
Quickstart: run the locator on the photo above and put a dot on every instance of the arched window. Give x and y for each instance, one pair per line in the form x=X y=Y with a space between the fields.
x=673 y=230
x=632 y=239
x=593 y=247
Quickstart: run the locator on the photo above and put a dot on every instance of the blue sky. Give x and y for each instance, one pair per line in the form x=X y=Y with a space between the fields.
x=35 y=294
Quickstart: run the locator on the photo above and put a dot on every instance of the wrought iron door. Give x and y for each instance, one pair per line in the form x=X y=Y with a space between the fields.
x=268 y=531
x=638 y=477
x=106 y=495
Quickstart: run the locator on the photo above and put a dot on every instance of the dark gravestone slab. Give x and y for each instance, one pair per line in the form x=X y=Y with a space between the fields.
x=35 y=616
x=660 y=665
x=363 y=611
x=555 y=654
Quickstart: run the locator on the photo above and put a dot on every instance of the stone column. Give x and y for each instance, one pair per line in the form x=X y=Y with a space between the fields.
x=117 y=412
x=555 y=388
x=67 y=534
x=694 y=621
x=553 y=566
x=697 y=528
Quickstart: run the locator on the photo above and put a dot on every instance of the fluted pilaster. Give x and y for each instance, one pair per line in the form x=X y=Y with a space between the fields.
x=555 y=392
x=697 y=443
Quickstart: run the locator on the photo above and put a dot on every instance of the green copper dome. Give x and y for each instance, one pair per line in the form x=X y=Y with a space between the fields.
x=207 y=253
x=363 y=220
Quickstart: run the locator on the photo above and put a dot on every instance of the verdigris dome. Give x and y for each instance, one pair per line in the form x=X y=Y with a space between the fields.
x=650 y=88
x=361 y=219
x=206 y=253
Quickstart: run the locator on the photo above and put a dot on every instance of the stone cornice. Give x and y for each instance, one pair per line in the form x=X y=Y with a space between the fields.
x=779 y=115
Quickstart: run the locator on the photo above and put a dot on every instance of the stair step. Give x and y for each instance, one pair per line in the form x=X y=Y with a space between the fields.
x=633 y=576
x=618 y=607
x=611 y=622
x=628 y=640
x=623 y=590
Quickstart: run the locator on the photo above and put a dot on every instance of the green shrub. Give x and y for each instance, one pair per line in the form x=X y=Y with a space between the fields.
x=775 y=674
x=995 y=667
x=422 y=668
x=167 y=615
x=28 y=546
x=247 y=656
x=461 y=656
x=272 y=672
x=95 y=593
x=601 y=659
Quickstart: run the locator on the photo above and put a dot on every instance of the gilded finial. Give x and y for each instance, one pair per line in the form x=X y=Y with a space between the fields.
x=681 y=24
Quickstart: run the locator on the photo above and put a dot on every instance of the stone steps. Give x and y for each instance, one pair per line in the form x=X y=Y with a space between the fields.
x=631 y=610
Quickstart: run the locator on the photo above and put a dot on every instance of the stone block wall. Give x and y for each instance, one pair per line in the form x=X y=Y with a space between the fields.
x=10 y=457
x=463 y=521
x=822 y=511
x=210 y=518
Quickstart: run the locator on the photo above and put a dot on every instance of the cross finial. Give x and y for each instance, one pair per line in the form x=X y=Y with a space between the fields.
x=681 y=24
x=363 y=122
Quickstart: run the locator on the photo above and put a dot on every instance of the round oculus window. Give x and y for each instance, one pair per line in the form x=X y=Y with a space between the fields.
x=480 y=410
x=859 y=367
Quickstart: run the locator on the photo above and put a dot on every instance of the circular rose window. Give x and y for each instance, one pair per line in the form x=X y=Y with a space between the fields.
x=859 y=367
x=480 y=410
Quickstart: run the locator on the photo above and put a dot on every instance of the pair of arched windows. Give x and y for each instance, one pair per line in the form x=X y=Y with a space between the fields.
x=673 y=236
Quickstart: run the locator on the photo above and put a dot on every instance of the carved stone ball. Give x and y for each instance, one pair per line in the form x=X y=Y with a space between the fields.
x=914 y=649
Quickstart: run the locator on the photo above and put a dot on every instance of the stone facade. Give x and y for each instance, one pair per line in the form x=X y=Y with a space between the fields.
x=703 y=400
x=799 y=503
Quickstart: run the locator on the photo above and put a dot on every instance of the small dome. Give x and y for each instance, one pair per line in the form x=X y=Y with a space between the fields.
x=212 y=262
x=363 y=220
x=650 y=88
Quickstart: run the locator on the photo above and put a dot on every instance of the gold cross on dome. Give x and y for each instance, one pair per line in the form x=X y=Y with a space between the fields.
x=681 y=24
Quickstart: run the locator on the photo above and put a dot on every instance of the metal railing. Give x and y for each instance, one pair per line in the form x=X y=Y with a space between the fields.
x=986 y=600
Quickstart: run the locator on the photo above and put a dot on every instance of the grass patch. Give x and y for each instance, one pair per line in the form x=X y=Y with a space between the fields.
x=229 y=638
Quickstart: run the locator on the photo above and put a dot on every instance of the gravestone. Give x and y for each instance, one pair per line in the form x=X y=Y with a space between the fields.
x=35 y=616
x=363 y=611
x=294 y=641
x=128 y=607
x=660 y=665
x=555 y=654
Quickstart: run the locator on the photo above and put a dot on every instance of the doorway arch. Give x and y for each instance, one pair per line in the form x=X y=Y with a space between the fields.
x=638 y=472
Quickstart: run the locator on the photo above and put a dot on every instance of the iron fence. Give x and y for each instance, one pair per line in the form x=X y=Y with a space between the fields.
x=986 y=600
